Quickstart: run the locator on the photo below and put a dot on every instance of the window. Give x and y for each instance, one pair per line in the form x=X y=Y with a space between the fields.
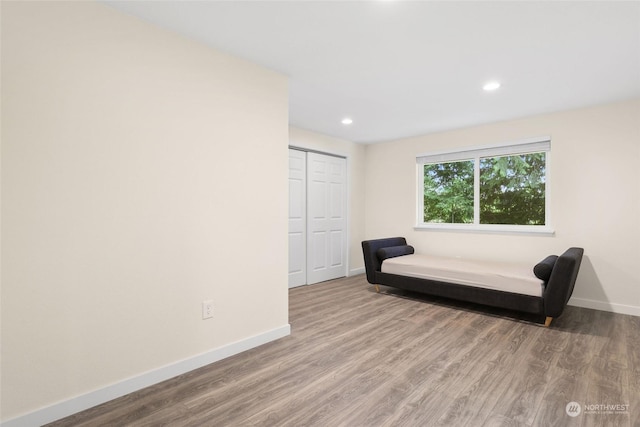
x=448 y=192
x=500 y=188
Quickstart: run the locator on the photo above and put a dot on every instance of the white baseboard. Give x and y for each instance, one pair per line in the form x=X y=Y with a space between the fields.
x=80 y=403
x=605 y=306
x=356 y=271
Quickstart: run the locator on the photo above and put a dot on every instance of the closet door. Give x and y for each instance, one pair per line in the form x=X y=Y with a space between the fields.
x=297 y=218
x=326 y=217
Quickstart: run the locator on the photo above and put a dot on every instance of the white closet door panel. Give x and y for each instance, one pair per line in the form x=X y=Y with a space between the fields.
x=297 y=259
x=335 y=193
x=317 y=201
x=317 y=259
x=296 y=206
x=326 y=200
x=336 y=253
x=297 y=218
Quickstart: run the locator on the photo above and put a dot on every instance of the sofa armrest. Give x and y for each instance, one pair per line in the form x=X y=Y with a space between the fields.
x=562 y=281
x=371 y=262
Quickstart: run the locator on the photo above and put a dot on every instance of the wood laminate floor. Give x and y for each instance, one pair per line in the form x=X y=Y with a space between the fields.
x=357 y=358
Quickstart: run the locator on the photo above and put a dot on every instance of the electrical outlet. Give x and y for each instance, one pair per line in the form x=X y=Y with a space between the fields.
x=207 y=309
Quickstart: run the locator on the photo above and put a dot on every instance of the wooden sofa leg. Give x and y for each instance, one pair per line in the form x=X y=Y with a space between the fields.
x=547 y=321
x=377 y=288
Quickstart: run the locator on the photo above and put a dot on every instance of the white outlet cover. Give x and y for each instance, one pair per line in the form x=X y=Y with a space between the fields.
x=207 y=309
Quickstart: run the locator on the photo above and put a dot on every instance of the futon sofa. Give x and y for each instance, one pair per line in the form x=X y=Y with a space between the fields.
x=544 y=292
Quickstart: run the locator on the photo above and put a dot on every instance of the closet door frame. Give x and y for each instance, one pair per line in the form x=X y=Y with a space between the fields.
x=346 y=198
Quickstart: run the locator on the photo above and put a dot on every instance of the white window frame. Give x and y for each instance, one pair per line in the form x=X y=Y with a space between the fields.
x=526 y=146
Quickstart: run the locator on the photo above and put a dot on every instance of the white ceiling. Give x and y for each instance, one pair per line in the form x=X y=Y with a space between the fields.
x=403 y=68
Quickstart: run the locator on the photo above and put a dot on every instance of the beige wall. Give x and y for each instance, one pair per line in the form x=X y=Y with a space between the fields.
x=133 y=176
x=355 y=154
x=595 y=197
x=134 y=187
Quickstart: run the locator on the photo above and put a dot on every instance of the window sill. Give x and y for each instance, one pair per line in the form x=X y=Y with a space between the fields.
x=538 y=230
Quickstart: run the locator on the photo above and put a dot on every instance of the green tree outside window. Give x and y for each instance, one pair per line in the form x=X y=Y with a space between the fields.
x=512 y=190
x=448 y=192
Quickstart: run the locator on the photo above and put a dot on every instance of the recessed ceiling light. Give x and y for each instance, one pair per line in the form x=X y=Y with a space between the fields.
x=347 y=121
x=491 y=86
